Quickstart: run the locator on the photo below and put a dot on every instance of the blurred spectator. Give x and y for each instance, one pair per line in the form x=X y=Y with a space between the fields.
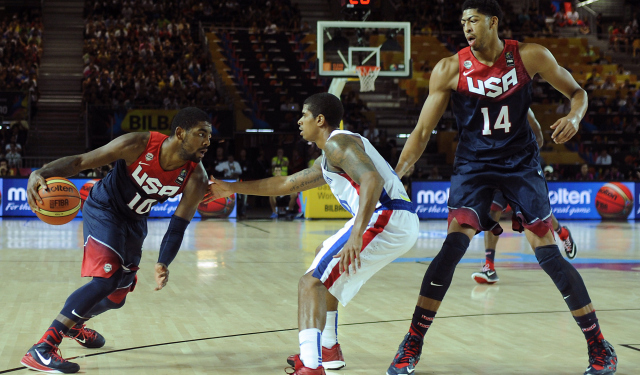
x=213 y=172
x=584 y=174
x=604 y=158
x=372 y=133
x=435 y=174
x=549 y=174
x=4 y=168
x=230 y=168
x=613 y=174
x=13 y=157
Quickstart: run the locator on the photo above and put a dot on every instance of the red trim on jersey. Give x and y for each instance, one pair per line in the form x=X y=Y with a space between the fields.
x=466 y=216
x=491 y=80
x=539 y=227
x=367 y=237
x=149 y=162
x=353 y=183
x=99 y=260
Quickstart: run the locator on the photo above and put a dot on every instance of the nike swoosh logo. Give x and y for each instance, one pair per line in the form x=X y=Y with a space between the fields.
x=467 y=73
x=44 y=361
x=81 y=340
x=490 y=273
x=75 y=313
x=144 y=163
x=435 y=284
x=567 y=296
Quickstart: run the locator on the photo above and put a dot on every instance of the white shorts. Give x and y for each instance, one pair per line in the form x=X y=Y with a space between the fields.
x=390 y=233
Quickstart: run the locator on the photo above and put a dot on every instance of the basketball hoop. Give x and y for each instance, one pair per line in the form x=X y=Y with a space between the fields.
x=367 y=75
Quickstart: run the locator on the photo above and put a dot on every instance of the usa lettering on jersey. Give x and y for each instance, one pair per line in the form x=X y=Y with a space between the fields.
x=493 y=86
x=152 y=185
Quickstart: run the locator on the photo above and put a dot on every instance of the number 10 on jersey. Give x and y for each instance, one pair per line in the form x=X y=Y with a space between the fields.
x=501 y=123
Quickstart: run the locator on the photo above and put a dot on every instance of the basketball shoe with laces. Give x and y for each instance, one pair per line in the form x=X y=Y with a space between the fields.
x=570 y=247
x=85 y=337
x=298 y=367
x=332 y=359
x=46 y=357
x=602 y=358
x=486 y=276
x=407 y=356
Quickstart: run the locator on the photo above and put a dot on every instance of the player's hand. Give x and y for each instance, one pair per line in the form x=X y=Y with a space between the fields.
x=564 y=129
x=35 y=181
x=162 y=275
x=350 y=255
x=217 y=189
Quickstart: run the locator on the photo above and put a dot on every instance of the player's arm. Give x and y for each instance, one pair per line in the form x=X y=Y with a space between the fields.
x=273 y=186
x=344 y=152
x=127 y=147
x=538 y=59
x=192 y=195
x=535 y=126
x=440 y=86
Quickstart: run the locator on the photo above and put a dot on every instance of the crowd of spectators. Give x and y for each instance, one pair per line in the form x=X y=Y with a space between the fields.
x=146 y=53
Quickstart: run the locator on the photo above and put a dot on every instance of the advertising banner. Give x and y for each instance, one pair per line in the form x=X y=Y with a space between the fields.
x=159 y=120
x=14 y=201
x=569 y=200
x=320 y=203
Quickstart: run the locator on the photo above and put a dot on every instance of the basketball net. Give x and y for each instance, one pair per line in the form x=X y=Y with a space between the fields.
x=367 y=75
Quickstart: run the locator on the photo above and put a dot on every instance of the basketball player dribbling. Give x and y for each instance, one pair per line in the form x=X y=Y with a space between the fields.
x=488 y=274
x=149 y=168
x=384 y=227
x=489 y=84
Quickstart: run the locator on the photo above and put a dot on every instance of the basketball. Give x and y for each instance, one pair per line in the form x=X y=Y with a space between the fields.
x=220 y=207
x=85 y=190
x=614 y=201
x=61 y=203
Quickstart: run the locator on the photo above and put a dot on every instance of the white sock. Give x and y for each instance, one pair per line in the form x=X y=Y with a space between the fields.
x=330 y=332
x=310 y=353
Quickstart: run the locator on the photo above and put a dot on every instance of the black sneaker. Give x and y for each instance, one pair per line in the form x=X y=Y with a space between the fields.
x=486 y=276
x=569 y=246
x=85 y=337
x=407 y=356
x=602 y=359
x=46 y=357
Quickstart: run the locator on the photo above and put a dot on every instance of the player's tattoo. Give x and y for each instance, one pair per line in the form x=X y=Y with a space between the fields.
x=344 y=152
x=305 y=179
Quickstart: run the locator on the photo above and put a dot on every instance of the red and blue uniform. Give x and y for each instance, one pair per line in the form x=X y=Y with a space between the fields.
x=115 y=213
x=497 y=150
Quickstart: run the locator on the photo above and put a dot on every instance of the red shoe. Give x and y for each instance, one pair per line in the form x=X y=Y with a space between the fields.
x=332 y=359
x=46 y=358
x=299 y=369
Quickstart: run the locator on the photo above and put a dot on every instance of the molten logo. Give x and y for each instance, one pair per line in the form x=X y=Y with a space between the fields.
x=564 y=196
x=433 y=197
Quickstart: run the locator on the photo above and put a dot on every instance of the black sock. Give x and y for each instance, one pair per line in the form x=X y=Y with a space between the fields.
x=421 y=321
x=589 y=325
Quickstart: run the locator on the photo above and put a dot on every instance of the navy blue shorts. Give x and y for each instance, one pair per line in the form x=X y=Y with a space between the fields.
x=111 y=242
x=520 y=179
x=499 y=202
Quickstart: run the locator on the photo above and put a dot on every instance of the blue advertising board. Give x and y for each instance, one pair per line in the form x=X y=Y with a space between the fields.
x=14 y=200
x=569 y=200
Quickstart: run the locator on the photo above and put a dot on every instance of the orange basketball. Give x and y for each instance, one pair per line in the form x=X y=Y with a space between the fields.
x=220 y=207
x=61 y=203
x=614 y=201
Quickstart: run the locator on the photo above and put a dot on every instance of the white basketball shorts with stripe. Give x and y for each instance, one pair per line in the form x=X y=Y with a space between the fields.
x=390 y=234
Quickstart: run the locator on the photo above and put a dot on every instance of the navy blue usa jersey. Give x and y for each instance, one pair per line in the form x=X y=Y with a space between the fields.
x=491 y=105
x=132 y=190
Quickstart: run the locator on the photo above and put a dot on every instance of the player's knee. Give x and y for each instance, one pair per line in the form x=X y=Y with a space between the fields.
x=309 y=282
x=453 y=249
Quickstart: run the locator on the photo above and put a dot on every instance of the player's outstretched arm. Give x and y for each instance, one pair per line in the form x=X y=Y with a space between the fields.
x=345 y=152
x=535 y=126
x=273 y=186
x=192 y=195
x=440 y=86
x=538 y=59
x=128 y=147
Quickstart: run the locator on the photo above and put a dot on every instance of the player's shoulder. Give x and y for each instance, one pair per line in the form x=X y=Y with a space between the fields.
x=531 y=50
x=445 y=74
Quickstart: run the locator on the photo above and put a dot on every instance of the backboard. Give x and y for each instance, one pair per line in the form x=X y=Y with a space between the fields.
x=343 y=45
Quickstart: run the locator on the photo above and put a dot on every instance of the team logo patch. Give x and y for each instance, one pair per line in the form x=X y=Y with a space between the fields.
x=467 y=64
x=181 y=177
x=149 y=156
x=107 y=267
x=509 y=57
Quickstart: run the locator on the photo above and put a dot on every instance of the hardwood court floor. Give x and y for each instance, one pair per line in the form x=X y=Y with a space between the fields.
x=230 y=305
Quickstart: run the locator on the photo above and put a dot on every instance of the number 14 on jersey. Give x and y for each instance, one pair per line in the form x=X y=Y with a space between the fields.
x=501 y=123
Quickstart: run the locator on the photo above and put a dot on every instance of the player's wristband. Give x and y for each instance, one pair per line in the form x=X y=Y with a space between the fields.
x=172 y=240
